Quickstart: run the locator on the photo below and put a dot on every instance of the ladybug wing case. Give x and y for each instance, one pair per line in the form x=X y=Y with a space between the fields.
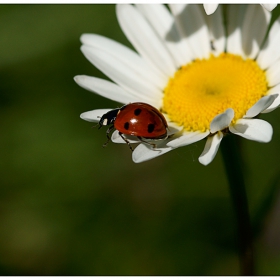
x=141 y=121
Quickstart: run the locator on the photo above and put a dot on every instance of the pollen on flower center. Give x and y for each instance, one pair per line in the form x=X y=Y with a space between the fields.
x=205 y=88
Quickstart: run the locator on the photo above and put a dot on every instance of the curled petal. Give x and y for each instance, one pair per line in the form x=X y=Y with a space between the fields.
x=144 y=152
x=187 y=138
x=211 y=148
x=253 y=129
x=276 y=103
x=171 y=130
x=210 y=8
x=261 y=105
x=116 y=138
x=222 y=121
x=94 y=115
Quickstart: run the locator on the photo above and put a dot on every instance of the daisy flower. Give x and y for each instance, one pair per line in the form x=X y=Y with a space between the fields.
x=207 y=78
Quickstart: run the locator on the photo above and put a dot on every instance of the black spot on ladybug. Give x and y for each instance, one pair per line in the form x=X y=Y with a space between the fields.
x=137 y=111
x=151 y=127
x=126 y=125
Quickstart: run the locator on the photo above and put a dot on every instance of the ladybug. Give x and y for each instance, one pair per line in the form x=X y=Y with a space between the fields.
x=137 y=119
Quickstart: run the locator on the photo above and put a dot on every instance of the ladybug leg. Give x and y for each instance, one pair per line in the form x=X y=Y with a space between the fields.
x=127 y=142
x=108 y=136
x=146 y=142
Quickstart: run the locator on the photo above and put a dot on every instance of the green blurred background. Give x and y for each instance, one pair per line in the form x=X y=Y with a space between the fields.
x=70 y=207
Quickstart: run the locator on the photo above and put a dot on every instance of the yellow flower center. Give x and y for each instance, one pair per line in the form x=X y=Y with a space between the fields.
x=202 y=89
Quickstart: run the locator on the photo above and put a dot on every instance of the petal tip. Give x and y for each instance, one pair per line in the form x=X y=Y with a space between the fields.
x=77 y=78
x=221 y=121
x=203 y=161
x=82 y=116
x=210 y=8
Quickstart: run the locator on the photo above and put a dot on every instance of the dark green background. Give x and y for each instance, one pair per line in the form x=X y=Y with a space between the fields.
x=70 y=207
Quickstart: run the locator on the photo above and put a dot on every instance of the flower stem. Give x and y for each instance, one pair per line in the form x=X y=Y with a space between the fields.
x=233 y=164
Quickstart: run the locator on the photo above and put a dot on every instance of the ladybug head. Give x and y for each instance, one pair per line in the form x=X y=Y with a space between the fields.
x=108 y=118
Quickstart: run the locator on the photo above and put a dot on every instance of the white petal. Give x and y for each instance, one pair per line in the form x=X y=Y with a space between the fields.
x=192 y=27
x=144 y=39
x=235 y=20
x=144 y=152
x=260 y=106
x=210 y=8
x=276 y=103
x=116 y=138
x=273 y=74
x=187 y=138
x=274 y=106
x=211 y=148
x=94 y=115
x=164 y=24
x=121 y=74
x=254 y=29
x=222 y=121
x=125 y=56
x=269 y=7
x=253 y=129
x=110 y=90
x=171 y=130
x=270 y=50
x=216 y=31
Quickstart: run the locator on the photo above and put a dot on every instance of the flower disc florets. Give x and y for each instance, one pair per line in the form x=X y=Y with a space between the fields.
x=202 y=89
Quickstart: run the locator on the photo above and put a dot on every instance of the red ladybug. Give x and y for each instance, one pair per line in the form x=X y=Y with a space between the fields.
x=138 y=119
